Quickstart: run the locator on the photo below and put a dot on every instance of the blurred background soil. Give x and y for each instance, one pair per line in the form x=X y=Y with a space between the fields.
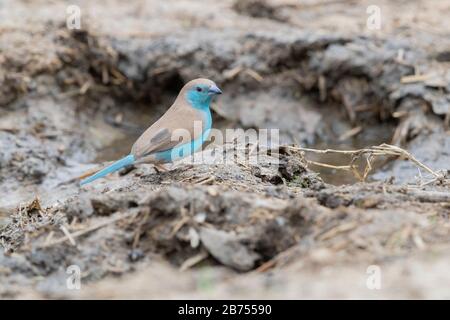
x=70 y=99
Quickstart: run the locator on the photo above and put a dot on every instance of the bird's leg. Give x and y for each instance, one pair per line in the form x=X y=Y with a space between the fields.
x=160 y=167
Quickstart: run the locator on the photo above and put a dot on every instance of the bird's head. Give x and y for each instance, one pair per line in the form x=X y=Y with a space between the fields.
x=199 y=92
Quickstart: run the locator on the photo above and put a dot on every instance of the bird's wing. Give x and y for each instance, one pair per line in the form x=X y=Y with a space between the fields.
x=175 y=127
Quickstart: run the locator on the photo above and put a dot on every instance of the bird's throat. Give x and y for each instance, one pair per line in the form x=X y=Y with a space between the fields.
x=199 y=102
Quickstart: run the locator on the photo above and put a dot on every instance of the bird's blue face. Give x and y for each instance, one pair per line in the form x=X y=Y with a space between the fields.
x=200 y=95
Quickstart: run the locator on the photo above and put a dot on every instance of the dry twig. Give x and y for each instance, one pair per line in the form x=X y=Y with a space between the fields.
x=87 y=230
x=370 y=153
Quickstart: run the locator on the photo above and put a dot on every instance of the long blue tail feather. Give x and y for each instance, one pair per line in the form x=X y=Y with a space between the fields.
x=128 y=160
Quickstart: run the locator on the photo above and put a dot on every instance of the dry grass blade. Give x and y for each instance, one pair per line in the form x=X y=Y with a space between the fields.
x=370 y=153
x=192 y=261
x=87 y=230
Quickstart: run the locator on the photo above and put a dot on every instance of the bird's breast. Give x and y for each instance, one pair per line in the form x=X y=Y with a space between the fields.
x=188 y=148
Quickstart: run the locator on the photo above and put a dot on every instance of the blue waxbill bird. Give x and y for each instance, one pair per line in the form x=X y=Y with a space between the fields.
x=160 y=144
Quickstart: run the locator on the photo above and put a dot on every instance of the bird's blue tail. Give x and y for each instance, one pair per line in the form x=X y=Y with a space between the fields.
x=128 y=160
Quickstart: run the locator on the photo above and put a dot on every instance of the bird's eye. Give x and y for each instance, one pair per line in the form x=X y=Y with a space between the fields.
x=199 y=89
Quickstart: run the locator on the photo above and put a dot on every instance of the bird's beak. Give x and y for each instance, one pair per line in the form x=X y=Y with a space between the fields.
x=214 y=90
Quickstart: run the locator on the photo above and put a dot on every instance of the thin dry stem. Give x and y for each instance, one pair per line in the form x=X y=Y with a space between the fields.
x=370 y=153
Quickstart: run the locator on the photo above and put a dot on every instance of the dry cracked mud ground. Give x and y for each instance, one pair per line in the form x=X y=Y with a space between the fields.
x=70 y=99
